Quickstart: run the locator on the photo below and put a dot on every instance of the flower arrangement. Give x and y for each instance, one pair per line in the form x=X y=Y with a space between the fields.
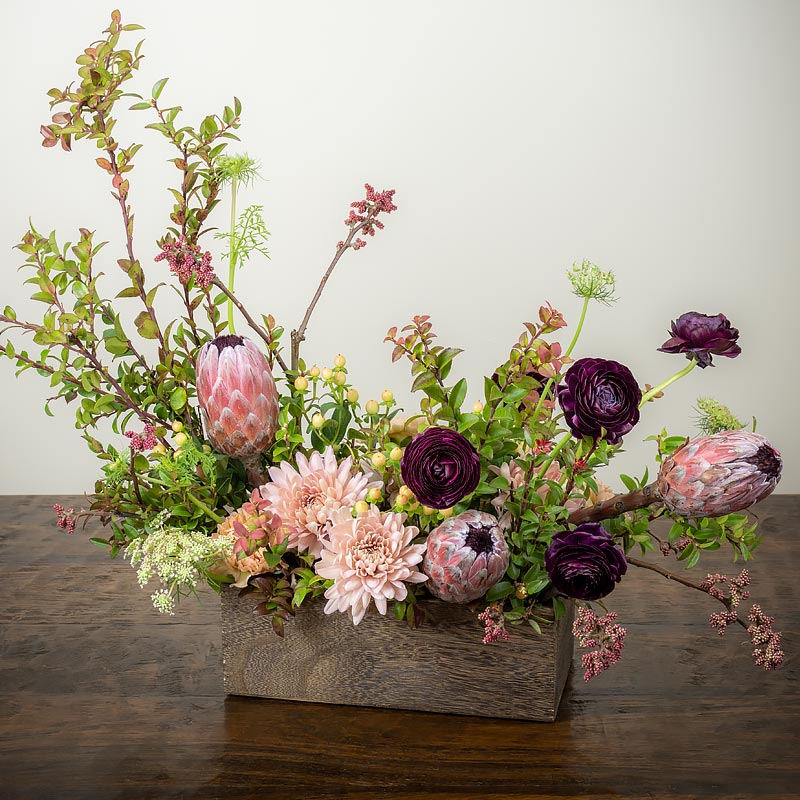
x=293 y=489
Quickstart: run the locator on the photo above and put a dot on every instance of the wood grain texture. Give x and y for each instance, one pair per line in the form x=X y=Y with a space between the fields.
x=442 y=666
x=103 y=699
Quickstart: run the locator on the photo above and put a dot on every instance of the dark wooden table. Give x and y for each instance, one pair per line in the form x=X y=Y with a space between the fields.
x=104 y=698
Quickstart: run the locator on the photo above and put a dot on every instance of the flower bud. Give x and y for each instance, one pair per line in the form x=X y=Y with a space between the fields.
x=301 y=383
x=374 y=494
x=446 y=512
x=314 y=371
x=326 y=373
x=477 y=407
x=339 y=361
x=160 y=450
x=378 y=460
x=352 y=396
x=361 y=507
x=396 y=453
x=720 y=474
x=427 y=510
x=177 y=426
x=317 y=421
x=387 y=395
x=181 y=439
x=340 y=378
x=371 y=407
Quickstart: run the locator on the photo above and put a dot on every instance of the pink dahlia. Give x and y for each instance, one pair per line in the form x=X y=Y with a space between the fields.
x=369 y=557
x=306 y=497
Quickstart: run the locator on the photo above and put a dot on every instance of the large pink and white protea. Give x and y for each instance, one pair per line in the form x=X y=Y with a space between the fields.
x=465 y=556
x=720 y=474
x=239 y=399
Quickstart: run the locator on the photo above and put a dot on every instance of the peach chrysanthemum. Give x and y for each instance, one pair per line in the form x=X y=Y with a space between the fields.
x=305 y=498
x=247 y=527
x=369 y=557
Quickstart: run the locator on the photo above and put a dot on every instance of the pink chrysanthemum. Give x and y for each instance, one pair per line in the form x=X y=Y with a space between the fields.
x=369 y=557
x=306 y=498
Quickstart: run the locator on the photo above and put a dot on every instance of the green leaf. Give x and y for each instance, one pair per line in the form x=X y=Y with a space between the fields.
x=158 y=87
x=458 y=394
x=146 y=327
x=499 y=591
x=140 y=106
x=177 y=399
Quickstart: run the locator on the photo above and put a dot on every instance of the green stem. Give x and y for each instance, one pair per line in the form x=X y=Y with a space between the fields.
x=549 y=385
x=205 y=509
x=578 y=328
x=553 y=453
x=232 y=254
x=656 y=389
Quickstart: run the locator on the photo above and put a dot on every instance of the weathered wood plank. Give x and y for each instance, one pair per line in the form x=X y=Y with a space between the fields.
x=443 y=666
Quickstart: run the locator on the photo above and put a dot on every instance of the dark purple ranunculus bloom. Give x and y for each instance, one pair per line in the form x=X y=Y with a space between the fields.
x=700 y=336
x=600 y=394
x=440 y=466
x=585 y=563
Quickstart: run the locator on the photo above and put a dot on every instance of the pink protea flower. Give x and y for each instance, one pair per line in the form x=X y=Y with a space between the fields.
x=306 y=497
x=465 y=556
x=720 y=474
x=238 y=397
x=369 y=557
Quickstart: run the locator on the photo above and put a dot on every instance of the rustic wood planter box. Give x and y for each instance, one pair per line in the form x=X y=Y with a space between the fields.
x=442 y=666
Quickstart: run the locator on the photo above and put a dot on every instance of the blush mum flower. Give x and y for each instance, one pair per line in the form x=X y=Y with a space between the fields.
x=306 y=497
x=369 y=557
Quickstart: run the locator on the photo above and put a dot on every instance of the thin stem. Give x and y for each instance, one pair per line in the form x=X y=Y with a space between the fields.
x=549 y=385
x=661 y=386
x=232 y=254
x=253 y=324
x=298 y=335
x=204 y=508
x=683 y=581
x=578 y=328
x=553 y=453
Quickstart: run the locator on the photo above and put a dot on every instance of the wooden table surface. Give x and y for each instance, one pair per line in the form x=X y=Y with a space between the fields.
x=104 y=698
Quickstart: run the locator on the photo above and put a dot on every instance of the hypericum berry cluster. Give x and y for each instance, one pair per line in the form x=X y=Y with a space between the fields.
x=186 y=261
x=365 y=213
x=601 y=633
x=766 y=641
x=146 y=440
x=495 y=622
x=63 y=518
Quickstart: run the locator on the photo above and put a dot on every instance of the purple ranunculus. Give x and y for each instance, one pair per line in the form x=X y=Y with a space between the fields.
x=700 y=336
x=585 y=563
x=441 y=467
x=600 y=395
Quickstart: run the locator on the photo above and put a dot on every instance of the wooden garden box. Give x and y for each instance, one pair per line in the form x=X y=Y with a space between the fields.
x=443 y=666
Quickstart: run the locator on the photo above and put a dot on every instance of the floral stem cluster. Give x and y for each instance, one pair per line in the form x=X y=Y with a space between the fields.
x=603 y=635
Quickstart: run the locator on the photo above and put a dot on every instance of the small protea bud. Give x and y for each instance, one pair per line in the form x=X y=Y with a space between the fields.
x=720 y=474
x=238 y=397
x=465 y=556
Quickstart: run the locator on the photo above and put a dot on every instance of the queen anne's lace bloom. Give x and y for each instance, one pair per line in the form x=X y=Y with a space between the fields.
x=369 y=557
x=178 y=558
x=306 y=498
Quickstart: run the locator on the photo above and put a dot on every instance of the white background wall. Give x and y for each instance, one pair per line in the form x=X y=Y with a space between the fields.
x=659 y=139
